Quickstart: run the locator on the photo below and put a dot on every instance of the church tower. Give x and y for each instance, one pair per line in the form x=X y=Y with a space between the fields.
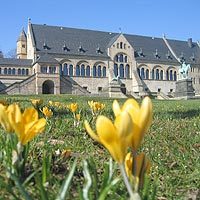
x=22 y=45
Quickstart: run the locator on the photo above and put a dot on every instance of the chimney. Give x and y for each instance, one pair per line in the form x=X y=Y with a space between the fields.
x=190 y=42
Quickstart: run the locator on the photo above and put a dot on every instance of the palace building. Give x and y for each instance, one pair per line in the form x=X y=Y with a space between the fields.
x=59 y=60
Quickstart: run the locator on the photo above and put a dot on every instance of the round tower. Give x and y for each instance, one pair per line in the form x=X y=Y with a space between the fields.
x=22 y=45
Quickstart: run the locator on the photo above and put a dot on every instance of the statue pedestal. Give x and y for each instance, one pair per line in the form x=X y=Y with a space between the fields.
x=115 y=89
x=184 y=89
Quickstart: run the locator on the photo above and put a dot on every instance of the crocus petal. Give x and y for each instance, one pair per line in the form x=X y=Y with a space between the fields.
x=116 y=108
x=91 y=132
x=14 y=113
x=30 y=114
x=132 y=107
x=105 y=130
x=129 y=164
x=146 y=114
x=143 y=123
x=124 y=124
x=37 y=128
x=109 y=137
x=4 y=119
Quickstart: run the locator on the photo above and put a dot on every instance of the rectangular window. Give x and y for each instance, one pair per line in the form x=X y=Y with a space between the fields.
x=99 y=89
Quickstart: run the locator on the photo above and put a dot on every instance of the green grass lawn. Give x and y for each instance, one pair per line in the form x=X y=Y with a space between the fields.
x=172 y=144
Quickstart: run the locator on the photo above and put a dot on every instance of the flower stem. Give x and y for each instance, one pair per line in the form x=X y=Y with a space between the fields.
x=133 y=195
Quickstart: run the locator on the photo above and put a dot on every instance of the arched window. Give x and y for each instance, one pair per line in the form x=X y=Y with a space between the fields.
x=82 y=70
x=27 y=72
x=142 y=74
x=77 y=70
x=94 y=71
x=175 y=76
x=121 y=58
x=125 y=59
x=127 y=71
x=43 y=70
x=13 y=71
x=5 y=71
x=99 y=71
x=51 y=70
x=167 y=75
x=157 y=74
x=19 y=71
x=70 y=70
x=88 y=71
x=138 y=71
x=116 y=58
x=124 y=46
x=152 y=75
x=60 y=69
x=147 y=74
x=118 y=45
x=104 y=71
x=9 y=71
x=171 y=75
x=161 y=74
x=54 y=69
x=115 y=70
x=23 y=71
x=0 y=70
x=121 y=45
x=121 y=71
x=65 y=69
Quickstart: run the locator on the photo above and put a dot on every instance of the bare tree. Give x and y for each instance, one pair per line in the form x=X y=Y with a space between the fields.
x=11 y=53
x=1 y=54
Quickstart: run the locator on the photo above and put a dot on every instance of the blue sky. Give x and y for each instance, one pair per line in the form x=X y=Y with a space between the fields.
x=178 y=19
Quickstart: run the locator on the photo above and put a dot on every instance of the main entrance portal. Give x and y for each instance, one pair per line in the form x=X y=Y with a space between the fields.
x=48 y=87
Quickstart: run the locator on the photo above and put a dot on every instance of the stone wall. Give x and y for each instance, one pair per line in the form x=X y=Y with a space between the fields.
x=162 y=86
x=93 y=84
x=25 y=87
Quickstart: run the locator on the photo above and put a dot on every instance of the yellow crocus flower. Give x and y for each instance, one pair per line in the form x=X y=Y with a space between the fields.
x=26 y=125
x=136 y=167
x=51 y=103
x=47 y=112
x=73 y=107
x=141 y=117
x=3 y=102
x=57 y=104
x=115 y=137
x=36 y=102
x=78 y=117
x=5 y=123
x=96 y=106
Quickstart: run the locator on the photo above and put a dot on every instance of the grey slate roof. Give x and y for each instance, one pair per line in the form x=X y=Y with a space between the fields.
x=46 y=58
x=16 y=62
x=52 y=39
x=56 y=37
x=149 y=46
x=182 y=48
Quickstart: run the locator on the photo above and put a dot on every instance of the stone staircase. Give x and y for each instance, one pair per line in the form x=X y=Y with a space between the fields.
x=161 y=95
x=26 y=87
x=68 y=85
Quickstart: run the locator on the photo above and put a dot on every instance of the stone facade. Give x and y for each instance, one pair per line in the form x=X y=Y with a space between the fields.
x=61 y=60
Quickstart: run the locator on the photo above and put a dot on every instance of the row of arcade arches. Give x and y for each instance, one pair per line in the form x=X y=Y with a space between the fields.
x=83 y=70
x=157 y=73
